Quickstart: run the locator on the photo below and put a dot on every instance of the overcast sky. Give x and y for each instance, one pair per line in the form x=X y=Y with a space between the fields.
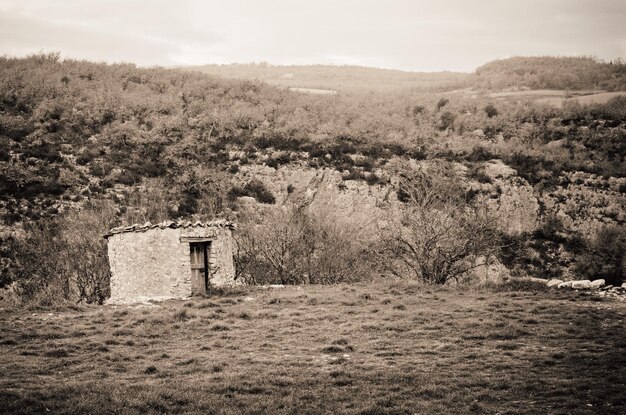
x=418 y=35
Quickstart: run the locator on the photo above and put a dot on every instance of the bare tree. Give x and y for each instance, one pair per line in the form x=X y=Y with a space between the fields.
x=277 y=250
x=437 y=236
x=290 y=245
x=65 y=259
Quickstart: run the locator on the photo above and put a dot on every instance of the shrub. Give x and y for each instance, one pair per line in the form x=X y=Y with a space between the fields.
x=604 y=256
x=551 y=229
x=292 y=246
x=86 y=156
x=49 y=152
x=418 y=109
x=353 y=174
x=128 y=178
x=480 y=153
x=279 y=160
x=437 y=237
x=4 y=149
x=477 y=173
x=65 y=259
x=446 y=121
x=188 y=206
x=520 y=284
x=491 y=110
x=373 y=179
x=254 y=188
x=98 y=169
x=279 y=143
x=442 y=103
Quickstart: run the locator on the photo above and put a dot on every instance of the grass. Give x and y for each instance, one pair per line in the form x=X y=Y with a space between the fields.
x=386 y=348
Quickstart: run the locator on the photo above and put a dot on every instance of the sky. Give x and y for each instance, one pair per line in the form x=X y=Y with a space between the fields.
x=413 y=35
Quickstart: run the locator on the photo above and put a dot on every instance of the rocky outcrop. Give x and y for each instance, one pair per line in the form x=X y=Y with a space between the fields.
x=351 y=202
x=585 y=202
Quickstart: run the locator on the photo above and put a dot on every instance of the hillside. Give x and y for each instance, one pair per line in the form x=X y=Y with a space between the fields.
x=518 y=73
x=547 y=72
x=85 y=147
x=347 y=79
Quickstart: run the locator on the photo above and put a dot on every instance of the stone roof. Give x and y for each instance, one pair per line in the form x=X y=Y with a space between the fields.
x=170 y=224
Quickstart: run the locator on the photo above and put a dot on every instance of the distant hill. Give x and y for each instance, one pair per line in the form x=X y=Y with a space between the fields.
x=339 y=78
x=573 y=73
x=552 y=73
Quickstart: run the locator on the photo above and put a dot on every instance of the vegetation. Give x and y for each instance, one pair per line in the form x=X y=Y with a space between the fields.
x=342 y=78
x=604 y=256
x=296 y=246
x=438 y=236
x=464 y=178
x=385 y=347
x=547 y=72
x=63 y=260
x=155 y=144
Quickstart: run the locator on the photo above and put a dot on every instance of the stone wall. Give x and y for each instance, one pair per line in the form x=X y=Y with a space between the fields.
x=155 y=263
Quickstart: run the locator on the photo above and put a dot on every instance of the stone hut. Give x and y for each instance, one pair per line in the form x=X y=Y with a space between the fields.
x=169 y=260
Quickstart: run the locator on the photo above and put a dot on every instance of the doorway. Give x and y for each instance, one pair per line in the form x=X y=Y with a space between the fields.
x=200 y=269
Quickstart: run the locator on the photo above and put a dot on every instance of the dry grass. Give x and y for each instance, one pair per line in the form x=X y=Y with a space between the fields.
x=388 y=348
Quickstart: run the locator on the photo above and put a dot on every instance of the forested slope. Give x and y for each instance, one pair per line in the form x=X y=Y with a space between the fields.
x=549 y=72
x=139 y=144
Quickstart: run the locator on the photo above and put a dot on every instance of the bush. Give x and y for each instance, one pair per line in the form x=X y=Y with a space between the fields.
x=279 y=143
x=480 y=153
x=86 y=156
x=418 y=109
x=128 y=178
x=373 y=180
x=4 y=149
x=477 y=173
x=254 y=188
x=519 y=284
x=551 y=229
x=604 y=256
x=65 y=259
x=447 y=121
x=279 y=160
x=491 y=110
x=98 y=169
x=188 y=206
x=442 y=103
x=437 y=237
x=291 y=246
x=49 y=152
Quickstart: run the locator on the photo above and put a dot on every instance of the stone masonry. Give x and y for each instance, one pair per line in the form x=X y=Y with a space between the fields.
x=153 y=261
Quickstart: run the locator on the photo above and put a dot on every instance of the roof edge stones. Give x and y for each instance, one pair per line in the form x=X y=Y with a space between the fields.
x=170 y=224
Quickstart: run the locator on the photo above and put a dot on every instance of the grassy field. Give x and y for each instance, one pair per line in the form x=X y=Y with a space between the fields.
x=386 y=348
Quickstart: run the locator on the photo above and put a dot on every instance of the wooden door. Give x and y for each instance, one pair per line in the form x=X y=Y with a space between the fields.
x=199 y=252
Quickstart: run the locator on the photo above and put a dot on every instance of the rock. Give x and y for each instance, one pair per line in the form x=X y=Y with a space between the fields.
x=581 y=285
x=597 y=283
x=554 y=282
x=606 y=288
x=565 y=284
x=624 y=285
x=539 y=280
